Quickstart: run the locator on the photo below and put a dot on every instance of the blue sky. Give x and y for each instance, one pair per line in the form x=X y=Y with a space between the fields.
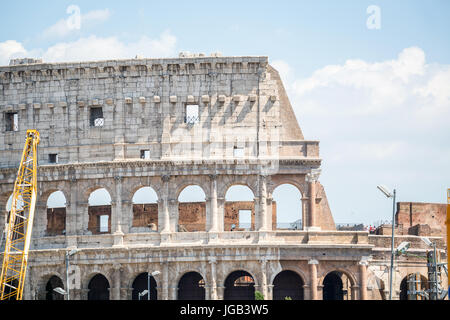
x=375 y=98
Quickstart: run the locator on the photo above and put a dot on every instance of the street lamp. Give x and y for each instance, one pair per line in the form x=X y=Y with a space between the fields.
x=141 y=294
x=154 y=273
x=60 y=291
x=68 y=255
x=388 y=194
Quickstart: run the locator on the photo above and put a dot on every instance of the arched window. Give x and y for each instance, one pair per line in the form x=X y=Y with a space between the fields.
x=53 y=283
x=288 y=285
x=141 y=284
x=287 y=207
x=192 y=209
x=99 y=212
x=239 y=209
x=337 y=285
x=98 y=288
x=56 y=214
x=191 y=287
x=239 y=285
x=145 y=209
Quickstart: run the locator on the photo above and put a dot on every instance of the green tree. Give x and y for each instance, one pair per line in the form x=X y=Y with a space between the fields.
x=259 y=295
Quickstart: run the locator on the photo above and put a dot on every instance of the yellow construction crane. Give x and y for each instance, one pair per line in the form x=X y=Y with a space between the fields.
x=20 y=222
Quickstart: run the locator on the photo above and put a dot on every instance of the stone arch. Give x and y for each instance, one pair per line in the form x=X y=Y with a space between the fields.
x=228 y=181
x=90 y=188
x=278 y=180
x=404 y=286
x=288 y=284
x=99 y=214
x=99 y=287
x=295 y=269
x=140 y=283
x=239 y=285
x=192 y=215
x=145 y=211
x=55 y=214
x=338 y=284
x=239 y=212
x=191 y=286
x=287 y=209
x=42 y=283
x=52 y=283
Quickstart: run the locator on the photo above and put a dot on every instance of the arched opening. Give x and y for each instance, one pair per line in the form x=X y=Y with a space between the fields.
x=53 y=283
x=239 y=285
x=192 y=209
x=288 y=285
x=337 y=286
x=239 y=209
x=99 y=212
x=56 y=214
x=413 y=282
x=287 y=208
x=98 y=288
x=191 y=287
x=145 y=209
x=140 y=284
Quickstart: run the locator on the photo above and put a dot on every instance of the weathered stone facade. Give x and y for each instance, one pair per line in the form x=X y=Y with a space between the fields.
x=123 y=125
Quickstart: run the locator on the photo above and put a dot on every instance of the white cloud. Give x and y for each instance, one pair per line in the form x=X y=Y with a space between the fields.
x=65 y=27
x=378 y=122
x=10 y=49
x=94 y=48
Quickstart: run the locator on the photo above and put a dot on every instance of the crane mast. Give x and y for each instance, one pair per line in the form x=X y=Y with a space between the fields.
x=20 y=222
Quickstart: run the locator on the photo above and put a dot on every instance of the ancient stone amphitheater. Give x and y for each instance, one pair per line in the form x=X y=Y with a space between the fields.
x=164 y=125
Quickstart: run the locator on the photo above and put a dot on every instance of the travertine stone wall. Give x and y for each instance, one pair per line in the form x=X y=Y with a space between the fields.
x=246 y=134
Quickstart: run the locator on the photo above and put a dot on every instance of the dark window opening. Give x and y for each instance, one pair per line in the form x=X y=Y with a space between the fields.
x=191 y=287
x=96 y=117
x=12 y=121
x=145 y=154
x=239 y=285
x=53 y=158
x=140 y=284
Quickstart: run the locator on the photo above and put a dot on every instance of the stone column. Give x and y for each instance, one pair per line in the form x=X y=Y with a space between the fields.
x=312 y=178
x=116 y=209
x=269 y=219
x=116 y=285
x=262 y=214
x=363 y=280
x=221 y=214
x=71 y=209
x=165 y=281
x=313 y=274
x=220 y=292
x=40 y=219
x=305 y=204
x=213 y=205
x=165 y=216
x=355 y=291
x=173 y=292
x=83 y=217
x=269 y=292
x=213 y=262
x=264 y=290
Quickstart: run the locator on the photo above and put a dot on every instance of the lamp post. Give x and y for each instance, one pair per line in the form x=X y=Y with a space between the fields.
x=154 y=273
x=390 y=195
x=60 y=291
x=68 y=255
x=141 y=294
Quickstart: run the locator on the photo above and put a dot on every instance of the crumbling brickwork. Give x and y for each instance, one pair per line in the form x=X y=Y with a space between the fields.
x=422 y=219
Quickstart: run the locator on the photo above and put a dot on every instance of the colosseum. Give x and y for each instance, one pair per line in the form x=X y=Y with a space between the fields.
x=156 y=127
